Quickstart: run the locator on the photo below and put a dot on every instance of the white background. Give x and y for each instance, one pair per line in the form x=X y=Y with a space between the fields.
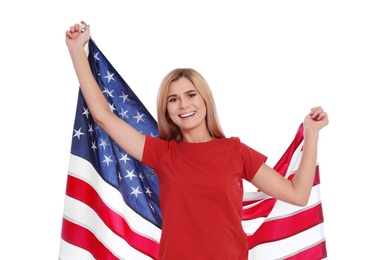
x=268 y=63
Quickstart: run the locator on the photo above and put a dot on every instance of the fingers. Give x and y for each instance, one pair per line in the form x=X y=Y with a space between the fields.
x=317 y=114
x=316 y=120
x=69 y=34
x=77 y=26
x=77 y=29
x=321 y=116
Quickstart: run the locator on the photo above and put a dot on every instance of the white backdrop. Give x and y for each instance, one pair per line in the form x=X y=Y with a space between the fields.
x=268 y=63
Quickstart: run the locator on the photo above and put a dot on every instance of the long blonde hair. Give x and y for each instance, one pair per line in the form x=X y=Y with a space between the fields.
x=167 y=129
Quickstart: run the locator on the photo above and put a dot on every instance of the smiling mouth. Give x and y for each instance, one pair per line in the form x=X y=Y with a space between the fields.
x=187 y=115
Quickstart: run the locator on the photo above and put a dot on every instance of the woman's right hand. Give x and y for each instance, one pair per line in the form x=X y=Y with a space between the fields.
x=77 y=38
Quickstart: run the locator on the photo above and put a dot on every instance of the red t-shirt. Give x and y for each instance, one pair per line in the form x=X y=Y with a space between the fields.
x=201 y=194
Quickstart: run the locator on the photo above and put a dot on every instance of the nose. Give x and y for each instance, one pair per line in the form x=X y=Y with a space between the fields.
x=184 y=103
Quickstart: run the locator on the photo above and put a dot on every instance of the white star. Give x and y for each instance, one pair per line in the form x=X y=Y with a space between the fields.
x=152 y=208
x=136 y=192
x=125 y=158
x=108 y=93
x=123 y=114
x=139 y=117
x=107 y=160
x=109 y=77
x=130 y=175
x=90 y=130
x=94 y=147
x=96 y=56
x=103 y=143
x=86 y=112
x=141 y=176
x=148 y=191
x=111 y=106
x=78 y=133
x=124 y=97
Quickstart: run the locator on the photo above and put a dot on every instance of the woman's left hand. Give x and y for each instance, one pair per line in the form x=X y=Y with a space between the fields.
x=316 y=119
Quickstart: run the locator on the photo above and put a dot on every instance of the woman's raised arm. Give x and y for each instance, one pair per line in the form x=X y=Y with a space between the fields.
x=127 y=137
x=298 y=190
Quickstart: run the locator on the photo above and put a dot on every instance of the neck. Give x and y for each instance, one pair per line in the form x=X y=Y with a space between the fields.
x=197 y=138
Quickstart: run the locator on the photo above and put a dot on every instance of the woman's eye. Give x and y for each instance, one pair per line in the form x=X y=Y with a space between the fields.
x=192 y=95
x=172 y=100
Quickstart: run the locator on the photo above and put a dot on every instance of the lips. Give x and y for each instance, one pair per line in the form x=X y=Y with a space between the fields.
x=186 y=115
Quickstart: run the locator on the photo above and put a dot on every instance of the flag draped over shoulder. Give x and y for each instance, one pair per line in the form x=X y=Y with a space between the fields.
x=111 y=208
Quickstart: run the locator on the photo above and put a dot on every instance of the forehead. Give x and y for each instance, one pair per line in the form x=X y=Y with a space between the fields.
x=180 y=86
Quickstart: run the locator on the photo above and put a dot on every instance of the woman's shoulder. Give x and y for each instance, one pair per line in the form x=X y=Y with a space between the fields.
x=234 y=141
x=229 y=141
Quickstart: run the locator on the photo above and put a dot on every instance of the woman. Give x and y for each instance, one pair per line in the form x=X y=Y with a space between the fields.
x=200 y=171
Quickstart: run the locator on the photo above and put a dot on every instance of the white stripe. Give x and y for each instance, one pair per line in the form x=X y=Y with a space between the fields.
x=254 y=195
x=289 y=246
x=250 y=226
x=83 y=215
x=82 y=169
x=68 y=251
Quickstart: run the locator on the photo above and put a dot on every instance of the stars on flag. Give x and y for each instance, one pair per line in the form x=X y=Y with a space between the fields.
x=135 y=181
x=78 y=133
x=109 y=77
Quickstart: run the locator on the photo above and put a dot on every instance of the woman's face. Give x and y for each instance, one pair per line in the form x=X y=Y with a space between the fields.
x=186 y=107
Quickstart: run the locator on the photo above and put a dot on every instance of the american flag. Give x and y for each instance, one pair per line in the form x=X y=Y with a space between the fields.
x=111 y=208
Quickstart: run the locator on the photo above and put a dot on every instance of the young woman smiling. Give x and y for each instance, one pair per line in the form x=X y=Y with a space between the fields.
x=200 y=170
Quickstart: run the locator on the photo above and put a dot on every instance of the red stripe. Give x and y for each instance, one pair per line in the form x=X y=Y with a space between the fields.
x=82 y=237
x=80 y=190
x=277 y=229
x=318 y=251
x=260 y=210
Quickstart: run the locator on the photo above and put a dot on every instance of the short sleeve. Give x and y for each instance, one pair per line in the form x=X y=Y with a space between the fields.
x=252 y=161
x=154 y=149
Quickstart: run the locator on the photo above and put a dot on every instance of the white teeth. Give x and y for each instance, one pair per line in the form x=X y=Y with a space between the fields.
x=187 y=114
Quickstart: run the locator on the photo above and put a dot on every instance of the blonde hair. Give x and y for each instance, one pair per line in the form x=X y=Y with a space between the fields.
x=167 y=129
